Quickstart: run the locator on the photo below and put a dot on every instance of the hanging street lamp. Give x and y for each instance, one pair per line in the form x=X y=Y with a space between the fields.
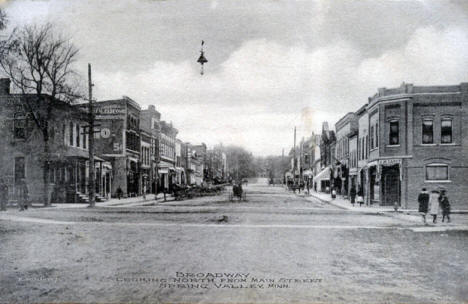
x=202 y=60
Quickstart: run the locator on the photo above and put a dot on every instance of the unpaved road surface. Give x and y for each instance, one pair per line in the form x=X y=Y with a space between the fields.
x=274 y=248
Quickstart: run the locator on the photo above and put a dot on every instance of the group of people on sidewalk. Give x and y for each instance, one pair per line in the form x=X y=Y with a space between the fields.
x=432 y=202
x=22 y=195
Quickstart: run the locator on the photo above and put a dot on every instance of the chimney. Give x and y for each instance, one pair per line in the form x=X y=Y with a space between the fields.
x=5 y=86
x=152 y=108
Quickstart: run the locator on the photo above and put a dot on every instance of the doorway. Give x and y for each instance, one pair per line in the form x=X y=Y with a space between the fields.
x=391 y=185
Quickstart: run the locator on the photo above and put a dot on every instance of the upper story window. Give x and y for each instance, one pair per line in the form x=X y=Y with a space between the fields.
x=377 y=134
x=394 y=134
x=428 y=131
x=70 y=135
x=446 y=131
x=20 y=126
x=372 y=137
x=85 y=139
x=64 y=130
x=77 y=135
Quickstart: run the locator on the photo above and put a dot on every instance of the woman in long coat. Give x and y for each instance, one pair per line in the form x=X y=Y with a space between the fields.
x=434 y=205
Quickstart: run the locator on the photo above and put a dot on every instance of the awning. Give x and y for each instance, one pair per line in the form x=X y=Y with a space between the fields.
x=163 y=170
x=180 y=169
x=323 y=175
x=307 y=172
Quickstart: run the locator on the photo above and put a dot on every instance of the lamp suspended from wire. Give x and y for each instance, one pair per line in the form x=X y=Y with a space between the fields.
x=202 y=60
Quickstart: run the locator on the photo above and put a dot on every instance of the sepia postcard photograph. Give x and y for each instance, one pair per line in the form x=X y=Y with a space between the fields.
x=234 y=151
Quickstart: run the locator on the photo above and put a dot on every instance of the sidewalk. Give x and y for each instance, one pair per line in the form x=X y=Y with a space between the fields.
x=135 y=201
x=403 y=214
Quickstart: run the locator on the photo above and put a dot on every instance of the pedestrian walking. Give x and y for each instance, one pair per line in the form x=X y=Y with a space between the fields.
x=3 y=195
x=423 y=200
x=360 y=197
x=444 y=205
x=119 y=192
x=333 y=193
x=352 y=194
x=434 y=205
x=22 y=195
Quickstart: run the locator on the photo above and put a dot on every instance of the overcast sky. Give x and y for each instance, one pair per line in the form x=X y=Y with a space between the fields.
x=273 y=64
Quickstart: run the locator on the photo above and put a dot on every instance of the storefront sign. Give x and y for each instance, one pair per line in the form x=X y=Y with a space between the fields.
x=390 y=162
x=109 y=110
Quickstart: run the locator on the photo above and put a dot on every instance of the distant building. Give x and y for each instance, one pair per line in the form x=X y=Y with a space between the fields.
x=150 y=126
x=167 y=156
x=323 y=179
x=346 y=128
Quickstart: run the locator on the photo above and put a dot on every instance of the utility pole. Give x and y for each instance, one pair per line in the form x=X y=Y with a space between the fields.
x=91 y=179
x=294 y=160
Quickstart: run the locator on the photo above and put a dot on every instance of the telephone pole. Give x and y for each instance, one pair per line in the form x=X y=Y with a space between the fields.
x=91 y=179
x=294 y=161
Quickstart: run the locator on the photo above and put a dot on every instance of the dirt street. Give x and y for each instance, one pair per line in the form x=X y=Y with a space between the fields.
x=274 y=248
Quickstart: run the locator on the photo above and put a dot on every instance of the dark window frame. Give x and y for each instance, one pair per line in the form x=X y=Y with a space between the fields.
x=394 y=135
x=446 y=119
x=424 y=129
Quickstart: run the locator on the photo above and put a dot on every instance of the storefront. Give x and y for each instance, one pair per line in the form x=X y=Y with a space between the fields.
x=322 y=180
x=133 y=177
x=390 y=181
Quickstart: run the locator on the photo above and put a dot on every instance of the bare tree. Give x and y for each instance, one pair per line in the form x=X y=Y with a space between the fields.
x=39 y=63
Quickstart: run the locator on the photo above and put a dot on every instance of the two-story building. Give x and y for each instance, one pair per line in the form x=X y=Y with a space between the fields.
x=417 y=139
x=22 y=153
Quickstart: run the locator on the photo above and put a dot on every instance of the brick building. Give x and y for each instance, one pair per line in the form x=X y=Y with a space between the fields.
x=418 y=138
x=167 y=156
x=118 y=141
x=345 y=128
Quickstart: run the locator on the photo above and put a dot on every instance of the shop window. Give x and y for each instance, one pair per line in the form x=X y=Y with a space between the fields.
x=20 y=170
x=428 y=131
x=437 y=172
x=446 y=131
x=394 y=136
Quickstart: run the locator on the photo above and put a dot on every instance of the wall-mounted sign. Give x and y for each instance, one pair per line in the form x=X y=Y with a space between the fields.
x=109 y=110
x=389 y=162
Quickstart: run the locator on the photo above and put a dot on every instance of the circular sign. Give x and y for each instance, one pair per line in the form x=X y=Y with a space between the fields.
x=105 y=133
